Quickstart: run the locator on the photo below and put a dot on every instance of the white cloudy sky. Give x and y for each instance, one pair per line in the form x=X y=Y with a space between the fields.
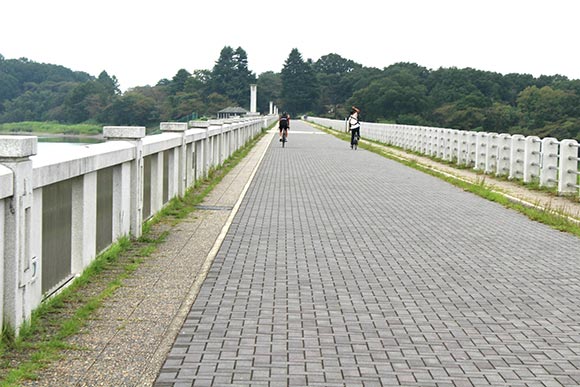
x=141 y=42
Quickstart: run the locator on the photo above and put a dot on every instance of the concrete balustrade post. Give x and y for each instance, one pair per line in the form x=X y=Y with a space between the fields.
x=503 y=154
x=157 y=160
x=568 y=168
x=202 y=149
x=434 y=142
x=20 y=280
x=454 y=145
x=549 y=162
x=446 y=145
x=215 y=126
x=442 y=144
x=131 y=185
x=461 y=147
x=227 y=130
x=532 y=146
x=399 y=138
x=517 y=157
x=491 y=153
x=121 y=201
x=409 y=133
x=84 y=221
x=180 y=162
x=2 y=216
x=471 y=148
x=480 y=151
x=421 y=140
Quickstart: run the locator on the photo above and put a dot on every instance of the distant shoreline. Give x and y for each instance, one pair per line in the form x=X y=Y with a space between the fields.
x=57 y=135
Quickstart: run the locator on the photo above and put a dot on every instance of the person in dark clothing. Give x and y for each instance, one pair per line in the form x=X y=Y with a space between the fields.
x=284 y=124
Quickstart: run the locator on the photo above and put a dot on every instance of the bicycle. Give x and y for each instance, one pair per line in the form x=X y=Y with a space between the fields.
x=284 y=133
x=354 y=141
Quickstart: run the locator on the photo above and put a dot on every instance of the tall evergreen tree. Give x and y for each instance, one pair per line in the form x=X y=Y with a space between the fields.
x=299 y=84
x=109 y=84
x=231 y=76
x=178 y=82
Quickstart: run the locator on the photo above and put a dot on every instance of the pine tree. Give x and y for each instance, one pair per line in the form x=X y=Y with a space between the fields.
x=299 y=85
x=231 y=76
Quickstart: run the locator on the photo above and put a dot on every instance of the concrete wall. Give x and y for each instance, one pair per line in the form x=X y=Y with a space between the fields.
x=180 y=155
x=550 y=162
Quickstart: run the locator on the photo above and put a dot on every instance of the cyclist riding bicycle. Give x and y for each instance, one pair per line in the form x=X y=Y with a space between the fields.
x=284 y=124
x=354 y=126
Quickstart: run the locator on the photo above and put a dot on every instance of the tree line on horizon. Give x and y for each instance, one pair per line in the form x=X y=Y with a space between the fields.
x=405 y=93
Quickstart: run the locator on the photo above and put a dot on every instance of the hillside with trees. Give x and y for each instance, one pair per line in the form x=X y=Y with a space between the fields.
x=404 y=93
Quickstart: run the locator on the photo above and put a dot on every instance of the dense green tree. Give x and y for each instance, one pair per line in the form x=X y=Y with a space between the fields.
x=449 y=85
x=403 y=92
x=109 y=85
x=540 y=106
x=231 y=76
x=357 y=79
x=330 y=70
x=132 y=108
x=334 y=64
x=299 y=85
x=9 y=86
x=178 y=82
x=453 y=116
x=215 y=102
x=269 y=87
x=391 y=97
x=199 y=82
x=501 y=118
x=77 y=103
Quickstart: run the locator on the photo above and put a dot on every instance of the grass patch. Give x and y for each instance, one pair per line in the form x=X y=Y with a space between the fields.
x=42 y=340
x=554 y=219
x=29 y=127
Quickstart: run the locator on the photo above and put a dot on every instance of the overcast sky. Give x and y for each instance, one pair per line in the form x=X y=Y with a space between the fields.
x=141 y=42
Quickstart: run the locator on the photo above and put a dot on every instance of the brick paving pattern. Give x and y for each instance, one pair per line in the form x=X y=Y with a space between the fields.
x=343 y=268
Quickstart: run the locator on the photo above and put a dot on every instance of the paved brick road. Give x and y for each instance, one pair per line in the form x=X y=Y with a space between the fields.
x=343 y=268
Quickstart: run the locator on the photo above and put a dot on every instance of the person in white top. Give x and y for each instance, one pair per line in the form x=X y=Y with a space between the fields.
x=354 y=126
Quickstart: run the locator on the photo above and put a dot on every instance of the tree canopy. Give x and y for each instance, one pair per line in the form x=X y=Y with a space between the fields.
x=405 y=93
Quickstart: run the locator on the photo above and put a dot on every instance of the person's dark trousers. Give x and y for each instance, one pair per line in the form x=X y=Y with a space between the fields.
x=353 y=133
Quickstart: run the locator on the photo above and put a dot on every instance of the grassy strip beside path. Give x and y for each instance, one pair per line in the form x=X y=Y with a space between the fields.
x=45 y=337
x=54 y=128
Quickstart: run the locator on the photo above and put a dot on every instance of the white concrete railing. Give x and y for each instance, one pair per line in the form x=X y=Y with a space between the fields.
x=551 y=162
x=61 y=207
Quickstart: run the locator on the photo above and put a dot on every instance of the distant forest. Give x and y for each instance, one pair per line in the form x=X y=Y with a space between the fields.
x=406 y=93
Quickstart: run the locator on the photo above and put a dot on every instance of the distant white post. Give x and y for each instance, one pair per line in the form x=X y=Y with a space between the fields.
x=253 y=98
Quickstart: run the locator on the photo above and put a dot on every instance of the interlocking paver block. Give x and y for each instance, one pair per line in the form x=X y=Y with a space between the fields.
x=350 y=266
